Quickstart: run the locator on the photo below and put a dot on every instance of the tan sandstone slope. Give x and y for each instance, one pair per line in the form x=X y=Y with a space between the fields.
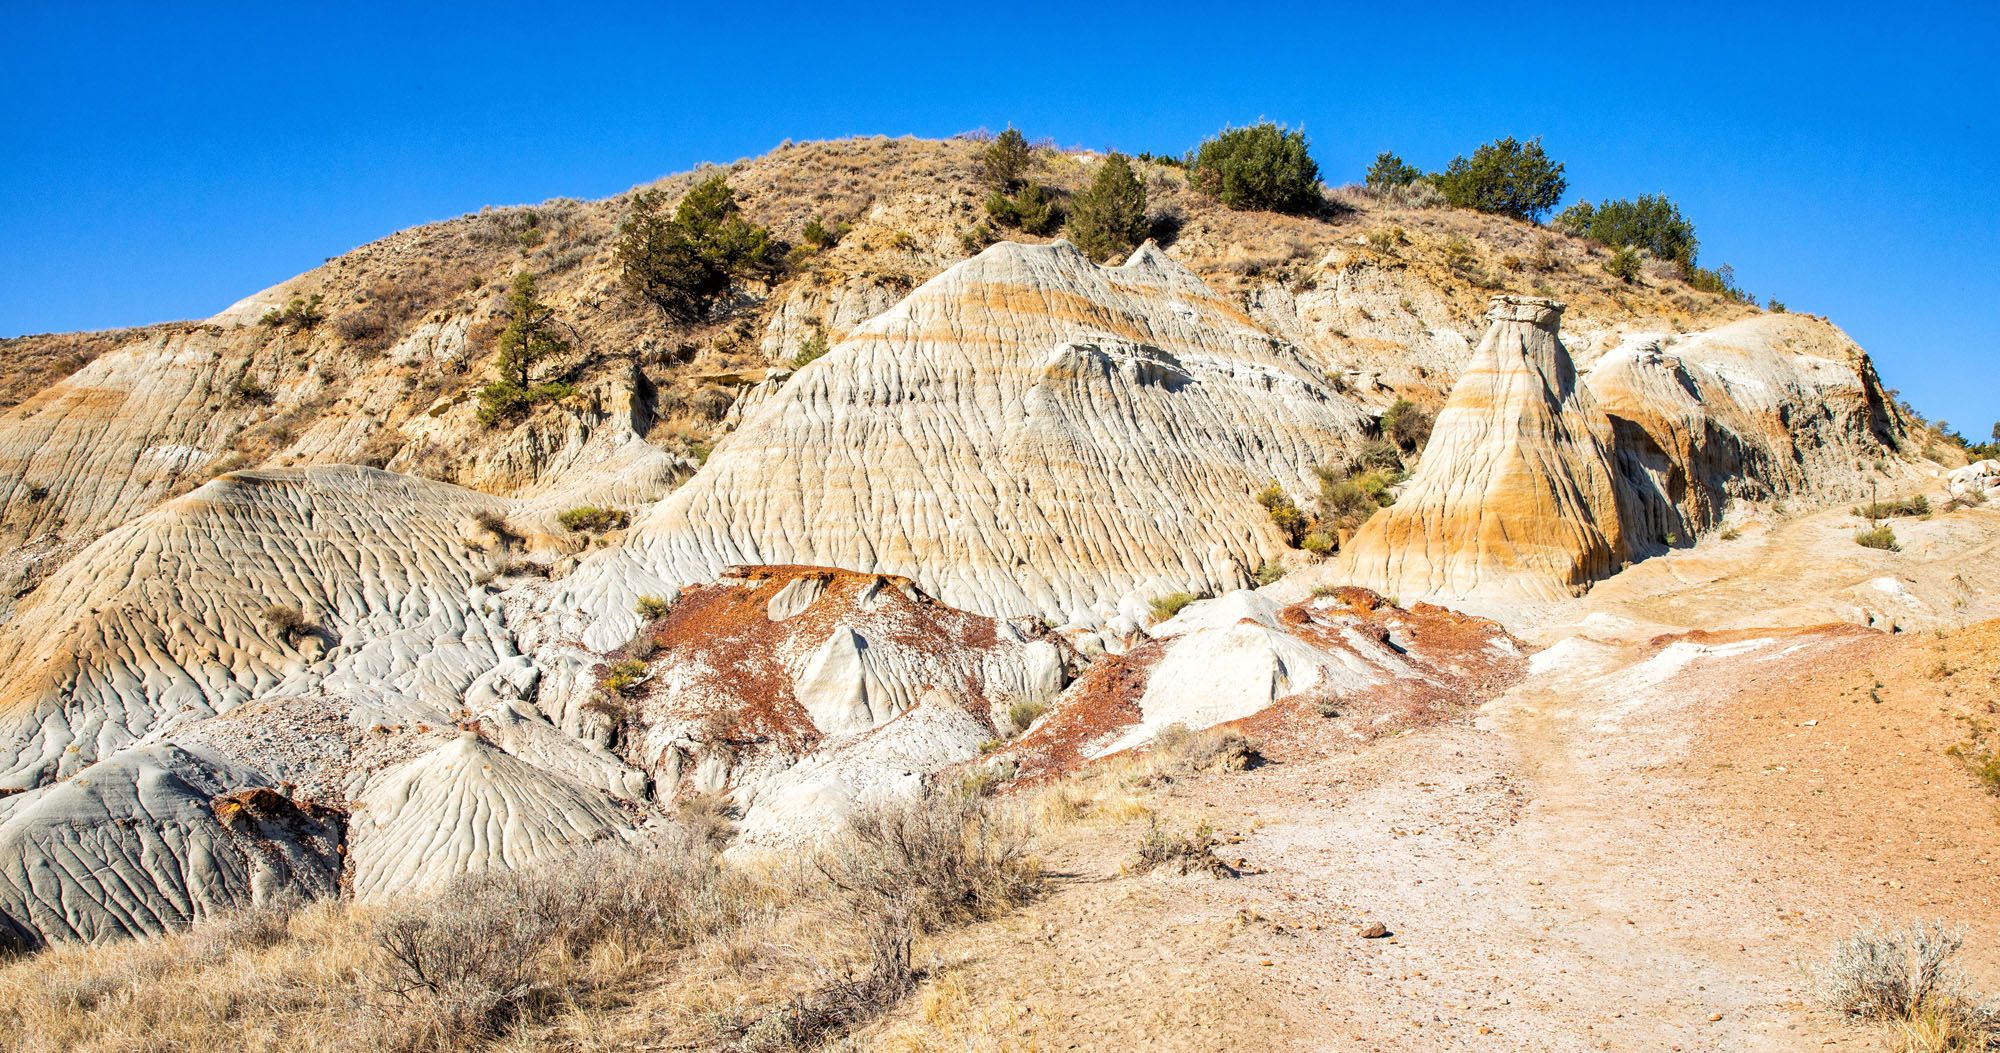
x=1539 y=480
x=1515 y=491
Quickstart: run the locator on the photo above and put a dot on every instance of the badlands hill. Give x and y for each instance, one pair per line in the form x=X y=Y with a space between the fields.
x=286 y=621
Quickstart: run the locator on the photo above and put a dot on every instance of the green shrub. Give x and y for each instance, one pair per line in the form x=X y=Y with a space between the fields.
x=1172 y=603
x=1022 y=714
x=1878 y=537
x=593 y=519
x=1460 y=259
x=1285 y=513
x=1623 y=265
x=299 y=313
x=1004 y=161
x=822 y=237
x=1109 y=218
x=1346 y=500
x=1650 y=222
x=686 y=263
x=247 y=389
x=975 y=238
x=652 y=608
x=1391 y=171
x=1919 y=505
x=1268 y=572
x=623 y=678
x=813 y=347
x=1264 y=166
x=1721 y=282
x=1032 y=210
x=1507 y=177
x=1408 y=425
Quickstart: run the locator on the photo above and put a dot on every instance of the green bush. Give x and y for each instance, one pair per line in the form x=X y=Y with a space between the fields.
x=1507 y=177
x=1164 y=607
x=1919 y=505
x=810 y=350
x=651 y=608
x=1263 y=167
x=299 y=313
x=1285 y=513
x=1109 y=218
x=1022 y=714
x=821 y=236
x=684 y=264
x=1391 y=171
x=1032 y=210
x=623 y=678
x=1408 y=425
x=1878 y=537
x=1624 y=265
x=1001 y=165
x=1268 y=572
x=1347 y=499
x=1652 y=223
x=593 y=519
x=1721 y=281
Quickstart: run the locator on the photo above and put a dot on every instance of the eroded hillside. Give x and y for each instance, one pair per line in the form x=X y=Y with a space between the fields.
x=289 y=620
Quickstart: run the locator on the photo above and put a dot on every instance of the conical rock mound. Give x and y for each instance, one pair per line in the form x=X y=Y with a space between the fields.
x=1027 y=433
x=1515 y=496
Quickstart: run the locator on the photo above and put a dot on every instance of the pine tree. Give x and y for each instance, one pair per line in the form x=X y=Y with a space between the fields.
x=1390 y=170
x=1109 y=218
x=1004 y=161
x=529 y=341
x=686 y=263
x=530 y=337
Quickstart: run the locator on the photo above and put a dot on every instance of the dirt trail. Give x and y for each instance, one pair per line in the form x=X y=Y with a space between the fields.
x=1634 y=849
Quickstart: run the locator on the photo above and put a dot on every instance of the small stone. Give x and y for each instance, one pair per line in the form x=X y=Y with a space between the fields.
x=1714 y=1017
x=1375 y=931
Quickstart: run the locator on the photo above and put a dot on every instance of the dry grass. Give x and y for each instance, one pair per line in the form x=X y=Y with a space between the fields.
x=661 y=939
x=1184 y=853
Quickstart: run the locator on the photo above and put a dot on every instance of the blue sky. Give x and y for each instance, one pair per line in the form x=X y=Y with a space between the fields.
x=159 y=162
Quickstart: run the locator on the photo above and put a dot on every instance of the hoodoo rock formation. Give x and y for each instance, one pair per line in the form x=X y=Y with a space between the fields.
x=1515 y=494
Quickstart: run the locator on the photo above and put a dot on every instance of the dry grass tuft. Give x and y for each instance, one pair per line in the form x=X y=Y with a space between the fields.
x=1183 y=853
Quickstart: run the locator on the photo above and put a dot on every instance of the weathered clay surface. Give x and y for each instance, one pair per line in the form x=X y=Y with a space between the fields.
x=1026 y=433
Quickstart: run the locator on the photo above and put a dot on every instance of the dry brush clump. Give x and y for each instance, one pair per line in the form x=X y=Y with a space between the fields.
x=1908 y=980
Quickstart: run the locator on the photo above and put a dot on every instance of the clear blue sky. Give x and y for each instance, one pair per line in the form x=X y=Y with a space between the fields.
x=160 y=161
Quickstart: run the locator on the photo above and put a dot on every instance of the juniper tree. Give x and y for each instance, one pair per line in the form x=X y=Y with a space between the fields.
x=687 y=262
x=1109 y=217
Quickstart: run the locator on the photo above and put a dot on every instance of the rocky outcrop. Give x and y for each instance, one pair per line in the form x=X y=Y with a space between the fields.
x=1026 y=433
x=256 y=585
x=768 y=667
x=1539 y=480
x=1245 y=657
x=152 y=840
x=1515 y=493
